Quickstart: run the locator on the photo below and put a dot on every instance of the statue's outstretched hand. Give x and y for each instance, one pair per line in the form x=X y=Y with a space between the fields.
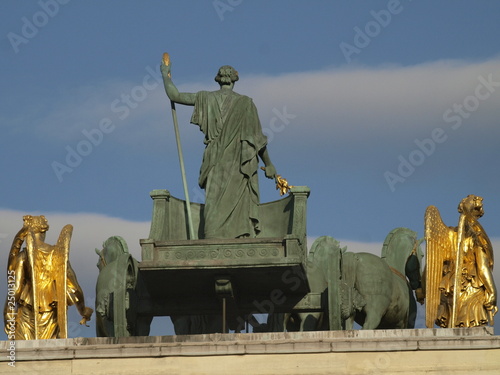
x=490 y=301
x=165 y=69
x=23 y=231
x=87 y=313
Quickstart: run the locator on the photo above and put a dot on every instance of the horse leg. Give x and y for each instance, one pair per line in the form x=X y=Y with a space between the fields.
x=372 y=320
x=374 y=310
x=286 y=318
x=309 y=321
x=412 y=314
x=349 y=322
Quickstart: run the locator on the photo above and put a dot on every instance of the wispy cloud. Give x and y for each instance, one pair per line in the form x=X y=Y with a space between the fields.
x=386 y=100
x=394 y=101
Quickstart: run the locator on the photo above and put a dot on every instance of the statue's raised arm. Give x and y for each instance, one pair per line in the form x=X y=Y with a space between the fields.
x=171 y=90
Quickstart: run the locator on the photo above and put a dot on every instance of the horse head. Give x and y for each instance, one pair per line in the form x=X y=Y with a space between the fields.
x=111 y=249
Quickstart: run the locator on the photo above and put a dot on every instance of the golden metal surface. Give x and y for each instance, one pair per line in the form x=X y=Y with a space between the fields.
x=281 y=183
x=44 y=284
x=460 y=290
x=166 y=61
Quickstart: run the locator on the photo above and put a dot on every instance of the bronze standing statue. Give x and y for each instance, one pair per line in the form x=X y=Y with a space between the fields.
x=43 y=284
x=234 y=143
x=460 y=290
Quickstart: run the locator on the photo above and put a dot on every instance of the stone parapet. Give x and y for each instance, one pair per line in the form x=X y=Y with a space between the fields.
x=418 y=351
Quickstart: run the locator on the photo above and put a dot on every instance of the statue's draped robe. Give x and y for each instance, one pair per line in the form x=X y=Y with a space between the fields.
x=233 y=138
x=471 y=310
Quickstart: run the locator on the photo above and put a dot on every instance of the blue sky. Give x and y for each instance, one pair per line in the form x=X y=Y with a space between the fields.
x=382 y=108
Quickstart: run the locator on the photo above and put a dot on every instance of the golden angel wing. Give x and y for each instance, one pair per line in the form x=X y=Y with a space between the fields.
x=31 y=248
x=440 y=245
x=65 y=238
x=61 y=278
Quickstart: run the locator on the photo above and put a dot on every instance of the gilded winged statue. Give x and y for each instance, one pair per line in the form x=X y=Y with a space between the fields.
x=42 y=284
x=460 y=290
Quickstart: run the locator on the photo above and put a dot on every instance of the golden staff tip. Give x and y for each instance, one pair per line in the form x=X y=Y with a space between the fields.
x=166 y=58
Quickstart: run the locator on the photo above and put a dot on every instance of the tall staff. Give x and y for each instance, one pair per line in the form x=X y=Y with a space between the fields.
x=166 y=61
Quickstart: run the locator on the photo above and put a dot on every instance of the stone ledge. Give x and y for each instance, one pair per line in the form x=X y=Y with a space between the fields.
x=256 y=343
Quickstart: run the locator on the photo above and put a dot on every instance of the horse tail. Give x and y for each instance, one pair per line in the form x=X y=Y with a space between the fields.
x=349 y=265
x=352 y=300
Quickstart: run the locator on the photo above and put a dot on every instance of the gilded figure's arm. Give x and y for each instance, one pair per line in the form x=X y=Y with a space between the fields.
x=486 y=276
x=15 y=279
x=16 y=261
x=19 y=274
x=76 y=290
x=16 y=246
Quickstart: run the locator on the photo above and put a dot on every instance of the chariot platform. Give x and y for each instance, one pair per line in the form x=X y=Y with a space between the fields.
x=209 y=276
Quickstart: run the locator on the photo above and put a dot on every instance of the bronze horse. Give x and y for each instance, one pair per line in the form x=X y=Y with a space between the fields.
x=385 y=284
x=375 y=292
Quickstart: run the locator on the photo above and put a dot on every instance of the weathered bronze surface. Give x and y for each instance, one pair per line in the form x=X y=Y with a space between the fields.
x=460 y=290
x=196 y=281
x=273 y=262
x=234 y=143
x=117 y=292
x=231 y=256
x=212 y=266
x=376 y=292
x=43 y=283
